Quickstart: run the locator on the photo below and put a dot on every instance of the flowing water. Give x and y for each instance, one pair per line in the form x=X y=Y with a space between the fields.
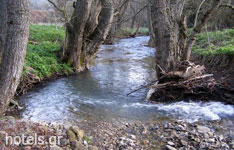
x=101 y=93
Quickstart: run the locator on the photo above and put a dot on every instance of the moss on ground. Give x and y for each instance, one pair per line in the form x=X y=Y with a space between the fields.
x=221 y=43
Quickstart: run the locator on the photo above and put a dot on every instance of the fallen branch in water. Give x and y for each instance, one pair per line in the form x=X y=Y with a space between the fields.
x=188 y=82
x=142 y=87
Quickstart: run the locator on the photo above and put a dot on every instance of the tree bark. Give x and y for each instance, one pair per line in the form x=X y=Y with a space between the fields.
x=2 y=25
x=150 y=26
x=164 y=14
x=119 y=11
x=198 y=28
x=75 y=32
x=138 y=25
x=87 y=30
x=170 y=29
x=14 y=50
x=133 y=18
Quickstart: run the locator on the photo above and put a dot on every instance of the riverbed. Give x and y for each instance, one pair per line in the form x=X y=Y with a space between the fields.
x=100 y=94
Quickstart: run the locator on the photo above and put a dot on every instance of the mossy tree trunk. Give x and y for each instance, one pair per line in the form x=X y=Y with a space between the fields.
x=14 y=48
x=86 y=31
x=169 y=26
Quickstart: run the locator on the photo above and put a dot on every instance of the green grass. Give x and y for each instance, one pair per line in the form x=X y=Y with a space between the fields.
x=126 y=32
x=41 y=57
x=40 y=33
x=222 y=43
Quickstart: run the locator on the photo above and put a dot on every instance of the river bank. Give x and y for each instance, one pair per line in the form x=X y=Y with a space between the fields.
x=95 y=103
x=42 y=62
x=169 y=135
x=217 y=55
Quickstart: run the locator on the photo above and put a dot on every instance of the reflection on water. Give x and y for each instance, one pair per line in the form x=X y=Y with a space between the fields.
x=100 y=94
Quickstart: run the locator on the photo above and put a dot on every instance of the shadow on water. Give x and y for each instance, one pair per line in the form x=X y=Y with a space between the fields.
x=100 y=94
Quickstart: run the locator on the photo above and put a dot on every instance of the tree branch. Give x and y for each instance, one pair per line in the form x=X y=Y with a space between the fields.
x=198 y=11
x=118 y=10
x=138 y=12
x=197 y=29
x=59 y=9
x=227 y=5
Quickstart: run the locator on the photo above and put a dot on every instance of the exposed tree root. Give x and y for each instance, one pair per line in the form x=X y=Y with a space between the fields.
x=27 y=82
x=15 y=105
x=188 y=82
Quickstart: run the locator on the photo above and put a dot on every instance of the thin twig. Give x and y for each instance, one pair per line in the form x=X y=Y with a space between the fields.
x=142 y=87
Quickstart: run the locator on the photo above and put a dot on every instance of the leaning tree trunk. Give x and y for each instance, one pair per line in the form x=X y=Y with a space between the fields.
x=14 y=48
x=87 y=30
x=119 y=12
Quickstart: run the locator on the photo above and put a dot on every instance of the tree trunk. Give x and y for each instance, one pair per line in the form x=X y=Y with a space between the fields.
x=198 y=28
x=120 y=10
x=150 y=26
x=170 y=29
x=138 y=25
x=133 y=18
x=2 y=25
x=177 y=77
x=14 y=48
x=164 y=14
x=87 y=30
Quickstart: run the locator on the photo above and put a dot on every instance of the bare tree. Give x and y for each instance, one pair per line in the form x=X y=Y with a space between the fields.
x=14 y=47
x=87 y=30
x=172 y=41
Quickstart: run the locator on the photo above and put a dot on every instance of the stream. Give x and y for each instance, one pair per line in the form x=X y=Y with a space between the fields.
x=101 y=93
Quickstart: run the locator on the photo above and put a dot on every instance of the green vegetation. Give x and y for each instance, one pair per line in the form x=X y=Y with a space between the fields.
x=221 y=43
x=88 y=140
x=44 y=44
x=126 y=32
x=40 y=33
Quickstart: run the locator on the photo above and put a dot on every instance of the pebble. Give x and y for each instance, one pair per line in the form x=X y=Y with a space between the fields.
x=133 y=137
x=202 y=129
x=92 y=147
x=71 y=135
x=170 y=143
x=184 y=143
x=85 y=143
x=168 y=147
x=171 y=136
x=80 y=134
x=64 y=142
x=55 y=148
